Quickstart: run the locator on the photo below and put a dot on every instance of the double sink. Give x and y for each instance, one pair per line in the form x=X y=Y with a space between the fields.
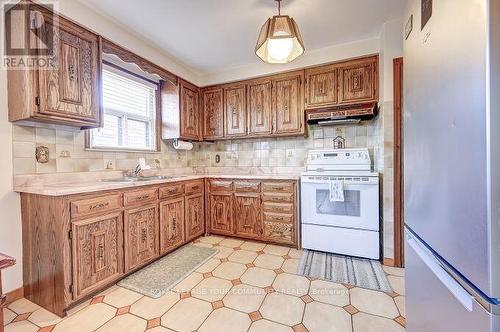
x=129 y=179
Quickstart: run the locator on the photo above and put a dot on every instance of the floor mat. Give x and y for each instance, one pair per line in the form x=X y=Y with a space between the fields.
x=361 y=272
x=159 y=277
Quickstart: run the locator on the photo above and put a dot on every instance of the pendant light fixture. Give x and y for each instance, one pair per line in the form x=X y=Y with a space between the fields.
x=279 y=39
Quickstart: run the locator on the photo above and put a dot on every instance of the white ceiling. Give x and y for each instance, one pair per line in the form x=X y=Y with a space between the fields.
x=212 y=35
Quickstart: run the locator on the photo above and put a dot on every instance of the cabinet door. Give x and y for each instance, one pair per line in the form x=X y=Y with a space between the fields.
x=235 y=111
x=259 y=108
x=97 y=252
x=141 y=236
x=171 y=224
x=69 y=91
x=358 y=81
x=247 y=214
x=195 y=220
x=213 y=114
x=321 y=87
x=221 y=220
x=190 y=117
x=288 y=104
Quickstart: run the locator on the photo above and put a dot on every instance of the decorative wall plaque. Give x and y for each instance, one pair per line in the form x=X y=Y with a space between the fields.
x=339 y=142
x=42 y=154
x=426 y=12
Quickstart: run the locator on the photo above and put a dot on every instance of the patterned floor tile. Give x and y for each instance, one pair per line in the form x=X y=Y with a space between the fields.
x=397 y=284
x=149 y=308
x=258 y=277
x=245 y=298
x=276 y=250
x=320 y=317
x=23 y=326
x=229 y=270
x=290 y=265
x=226 y=319
x=329 y=292
x=22 y=306
x=268 y=261
x=209 y=266
x=281 y=308
x=373 y=302
x=265 y=325
x=121 y=297
x=367 y=323
x=127 y=322
x=42 y=317
x=291 y=284
x=212 y=289
x=188 y=283
x=252 y=246
x=87 y=319
x=243 y=256
x=187 y=315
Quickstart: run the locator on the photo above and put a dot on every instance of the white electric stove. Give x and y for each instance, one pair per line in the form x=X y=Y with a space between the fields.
x=350 y=227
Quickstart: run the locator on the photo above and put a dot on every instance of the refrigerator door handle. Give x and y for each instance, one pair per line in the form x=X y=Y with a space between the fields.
x=453 y=286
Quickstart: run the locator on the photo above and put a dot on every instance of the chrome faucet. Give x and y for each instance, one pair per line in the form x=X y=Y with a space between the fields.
x=137 y=170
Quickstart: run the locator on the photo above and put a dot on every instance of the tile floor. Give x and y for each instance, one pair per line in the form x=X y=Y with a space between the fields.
x=247 y=286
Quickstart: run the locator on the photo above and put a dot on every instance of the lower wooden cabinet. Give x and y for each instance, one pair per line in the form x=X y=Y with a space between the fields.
x=194 y=214
x=97 y=252
x=220 y=213
x=253 y=209
x=141 y=236
x=247 y=213
x=171 y=224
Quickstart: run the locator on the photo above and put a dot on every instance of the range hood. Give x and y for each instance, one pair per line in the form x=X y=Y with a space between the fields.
x=342 y=115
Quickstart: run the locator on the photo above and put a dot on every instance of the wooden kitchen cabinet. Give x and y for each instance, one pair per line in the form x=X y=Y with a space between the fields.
x=247 y=214
x=141 y=236
x=194 y=213
x=171 y=224
x=235 y=111
x=259 y=108
x=221 y=213
x=66 y=92
x=97 y=252
x=288 y=103
x=189 y=111
x=358 y=81
x=321 y=86
x=213 y=113
x=254 y=209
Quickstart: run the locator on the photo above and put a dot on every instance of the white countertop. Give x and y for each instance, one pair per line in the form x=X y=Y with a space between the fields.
x=80 y=187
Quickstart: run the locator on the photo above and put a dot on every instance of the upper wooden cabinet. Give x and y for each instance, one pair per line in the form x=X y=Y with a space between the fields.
x=213 y=113
x=190 y=116
x=235 y=111
x=343 y=83
x=321 y=86
x=288 y=105
x=259 y=107
x=67 y=91
x=358 y=81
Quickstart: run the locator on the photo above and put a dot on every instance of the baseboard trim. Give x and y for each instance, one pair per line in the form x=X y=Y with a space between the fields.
x=14 y=295
x=388 y=262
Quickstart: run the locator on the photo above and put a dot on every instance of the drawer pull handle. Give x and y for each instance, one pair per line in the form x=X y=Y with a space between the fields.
x=278 y=218
x=277 y=199
x=100 y=251
x=173 y=191
x=98 y=206
x=195 y=188
x=141 y=197
x=144 y=235
x=278 y=188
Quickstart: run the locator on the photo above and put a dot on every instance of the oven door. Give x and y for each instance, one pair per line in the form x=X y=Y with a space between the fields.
x=360 y=209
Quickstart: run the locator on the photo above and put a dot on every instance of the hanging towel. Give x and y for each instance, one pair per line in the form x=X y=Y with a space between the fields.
x=336 y=190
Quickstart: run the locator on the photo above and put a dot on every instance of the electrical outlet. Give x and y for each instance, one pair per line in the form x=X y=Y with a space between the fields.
x=290 y=153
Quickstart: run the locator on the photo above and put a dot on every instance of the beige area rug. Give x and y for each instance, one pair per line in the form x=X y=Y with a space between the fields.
x=159 y=277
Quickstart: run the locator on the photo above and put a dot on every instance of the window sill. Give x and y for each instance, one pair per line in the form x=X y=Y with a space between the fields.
x=122 y=150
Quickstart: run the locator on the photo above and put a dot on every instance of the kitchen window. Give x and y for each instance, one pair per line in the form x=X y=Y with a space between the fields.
x=129 y=112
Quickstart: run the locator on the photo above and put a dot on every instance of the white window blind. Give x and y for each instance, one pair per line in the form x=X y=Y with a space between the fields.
x=129 y=105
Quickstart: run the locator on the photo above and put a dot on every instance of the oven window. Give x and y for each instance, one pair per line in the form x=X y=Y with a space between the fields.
x=349 y=207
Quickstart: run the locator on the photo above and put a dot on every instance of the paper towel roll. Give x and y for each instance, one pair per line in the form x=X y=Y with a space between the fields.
x=182 y=145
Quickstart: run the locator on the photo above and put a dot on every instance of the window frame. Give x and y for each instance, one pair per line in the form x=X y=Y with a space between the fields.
x=158 y=119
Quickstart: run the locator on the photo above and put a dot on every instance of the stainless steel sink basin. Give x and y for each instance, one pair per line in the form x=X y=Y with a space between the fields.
x=127 y=179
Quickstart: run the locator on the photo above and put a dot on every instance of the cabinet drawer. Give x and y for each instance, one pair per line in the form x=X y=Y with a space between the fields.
x=89 y=206
x=277 y=187
x=139 y=196
x=171 y=190
x=220 y=185
x=286 y=218
x=247 y=186
x=194 y=187
x=278 y=232
x=278 y=208
x=278 y=198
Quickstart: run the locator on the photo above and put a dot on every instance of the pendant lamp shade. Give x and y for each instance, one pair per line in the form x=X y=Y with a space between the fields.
x=279 y=40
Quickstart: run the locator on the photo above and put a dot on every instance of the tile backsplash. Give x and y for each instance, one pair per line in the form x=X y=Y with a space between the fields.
x=68 y=154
